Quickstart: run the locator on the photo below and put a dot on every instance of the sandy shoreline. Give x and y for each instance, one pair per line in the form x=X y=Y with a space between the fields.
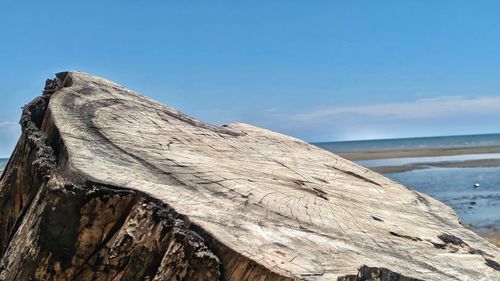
x=382 y=154
x=481 y=163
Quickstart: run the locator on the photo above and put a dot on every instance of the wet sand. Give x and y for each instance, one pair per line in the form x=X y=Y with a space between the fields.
x=482 y=163
x=382 y=154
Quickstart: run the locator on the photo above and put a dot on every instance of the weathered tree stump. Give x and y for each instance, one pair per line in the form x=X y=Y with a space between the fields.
x=106 y=184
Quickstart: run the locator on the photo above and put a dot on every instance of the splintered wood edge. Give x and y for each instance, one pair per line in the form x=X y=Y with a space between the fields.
x=295 y=209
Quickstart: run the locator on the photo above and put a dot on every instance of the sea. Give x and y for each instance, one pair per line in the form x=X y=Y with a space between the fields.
x=412 y=143
x=477 y=206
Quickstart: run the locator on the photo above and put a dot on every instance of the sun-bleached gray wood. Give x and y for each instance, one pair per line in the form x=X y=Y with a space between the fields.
x=283 y=208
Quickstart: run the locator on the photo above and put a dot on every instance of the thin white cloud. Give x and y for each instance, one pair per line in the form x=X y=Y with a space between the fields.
x=419 y=109
x=7 y=123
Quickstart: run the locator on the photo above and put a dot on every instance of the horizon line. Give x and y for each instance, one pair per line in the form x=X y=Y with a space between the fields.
x=401 y=138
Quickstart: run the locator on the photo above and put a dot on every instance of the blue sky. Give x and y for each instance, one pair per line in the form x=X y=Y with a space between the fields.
x=317 y=70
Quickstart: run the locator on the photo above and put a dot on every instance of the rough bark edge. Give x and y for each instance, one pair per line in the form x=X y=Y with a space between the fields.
x=366 y=273
x=40 y=134
x=33 y=156
x=235 y=266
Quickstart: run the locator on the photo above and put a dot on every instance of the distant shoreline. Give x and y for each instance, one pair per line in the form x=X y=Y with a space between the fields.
x=434 y=152
x=385 y=154
x=482 y=163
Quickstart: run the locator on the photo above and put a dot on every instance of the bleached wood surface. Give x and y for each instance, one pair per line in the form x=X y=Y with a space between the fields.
x=294 y=209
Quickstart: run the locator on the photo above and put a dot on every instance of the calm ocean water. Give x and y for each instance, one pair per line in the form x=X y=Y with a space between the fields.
x=455 y=187
x=479 y=207
x=412 y=143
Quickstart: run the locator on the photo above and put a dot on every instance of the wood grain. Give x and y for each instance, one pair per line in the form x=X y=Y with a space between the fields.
x=266 y=206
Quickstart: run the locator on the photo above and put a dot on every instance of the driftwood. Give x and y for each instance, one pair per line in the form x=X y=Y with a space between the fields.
x=106 y=184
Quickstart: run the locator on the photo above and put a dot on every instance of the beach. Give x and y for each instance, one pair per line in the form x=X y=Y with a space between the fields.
x=407 y=160
x=446 y=164
x=384 y=154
